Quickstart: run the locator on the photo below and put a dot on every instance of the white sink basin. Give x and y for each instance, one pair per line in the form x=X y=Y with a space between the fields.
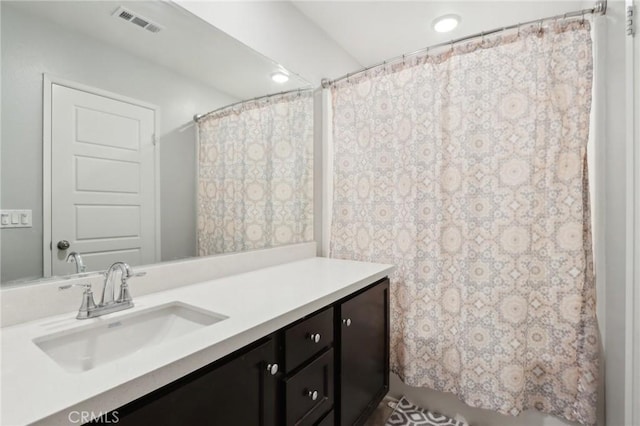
x=84 y=348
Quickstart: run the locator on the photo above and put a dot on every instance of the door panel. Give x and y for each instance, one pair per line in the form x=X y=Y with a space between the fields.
x=102 y=180
x=107 y=128
x=104 y=259
x=100 y=175
x=94 y=222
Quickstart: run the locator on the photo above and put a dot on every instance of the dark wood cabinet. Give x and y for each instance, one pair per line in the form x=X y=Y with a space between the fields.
x=307 y=337
x=309 y=392
x=239 y=390
x=363 y=353
x=333 y=369
x=327 y=420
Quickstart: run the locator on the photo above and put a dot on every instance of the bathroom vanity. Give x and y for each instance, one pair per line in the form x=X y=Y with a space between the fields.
x=300 y=340
x=328 y=368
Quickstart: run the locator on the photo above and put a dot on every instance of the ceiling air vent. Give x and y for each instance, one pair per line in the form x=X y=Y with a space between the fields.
x=138 y=20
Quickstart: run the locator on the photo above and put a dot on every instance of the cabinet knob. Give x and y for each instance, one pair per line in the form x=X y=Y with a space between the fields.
x=313 y=395
x=347 y=321
x=63 y=245
x=315 y=337
x=272 y=369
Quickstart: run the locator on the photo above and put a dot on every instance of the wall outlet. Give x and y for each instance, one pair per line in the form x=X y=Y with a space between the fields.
x=15 y=219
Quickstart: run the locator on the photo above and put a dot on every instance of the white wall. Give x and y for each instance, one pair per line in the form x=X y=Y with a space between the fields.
x=633 y=399
x=632 y=350
x=278 y=30
x=615 y=217
x=31 y=47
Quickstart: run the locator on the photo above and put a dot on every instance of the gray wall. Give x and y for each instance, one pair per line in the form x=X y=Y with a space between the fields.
x=31 y=47
x=615 y=232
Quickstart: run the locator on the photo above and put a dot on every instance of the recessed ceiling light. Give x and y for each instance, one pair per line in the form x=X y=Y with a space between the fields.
x=446 y=23
x=279 y=77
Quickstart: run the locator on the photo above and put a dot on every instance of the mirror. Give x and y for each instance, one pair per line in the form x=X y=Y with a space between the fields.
x=149 y=52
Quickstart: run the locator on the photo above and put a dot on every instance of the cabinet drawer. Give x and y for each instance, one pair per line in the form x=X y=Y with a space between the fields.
x=313 y=381
x=308 y=338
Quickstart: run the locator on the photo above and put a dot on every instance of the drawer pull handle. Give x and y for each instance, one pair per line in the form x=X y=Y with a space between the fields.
x=272 y=369
x=315 y=337
x=347 y=322
x=313 y=395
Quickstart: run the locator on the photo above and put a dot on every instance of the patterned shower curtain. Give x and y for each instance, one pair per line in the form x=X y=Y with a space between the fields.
x=255 y=170
x=467 y=170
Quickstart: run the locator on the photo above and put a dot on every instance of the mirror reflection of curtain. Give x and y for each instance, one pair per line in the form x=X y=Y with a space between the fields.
x=467 y=170
x=255 y=171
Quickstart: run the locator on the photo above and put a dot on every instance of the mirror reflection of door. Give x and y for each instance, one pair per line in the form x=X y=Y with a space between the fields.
x=103 y=179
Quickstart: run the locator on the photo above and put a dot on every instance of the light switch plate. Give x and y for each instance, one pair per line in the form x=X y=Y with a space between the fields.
x=16 y=219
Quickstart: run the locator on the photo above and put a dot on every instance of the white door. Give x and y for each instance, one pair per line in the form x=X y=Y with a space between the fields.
x=103 y=185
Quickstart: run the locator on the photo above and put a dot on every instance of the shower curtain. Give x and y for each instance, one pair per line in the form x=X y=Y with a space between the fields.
x=255 y=169
x=467 y=170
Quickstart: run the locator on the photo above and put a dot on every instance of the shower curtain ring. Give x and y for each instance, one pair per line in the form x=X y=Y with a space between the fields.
x=518 y=34
x=540 y=32
x=582 y=21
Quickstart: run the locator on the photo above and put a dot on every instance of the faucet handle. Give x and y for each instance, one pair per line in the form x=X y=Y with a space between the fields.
x=87 y=287
x=88 y=304
x=125 y=296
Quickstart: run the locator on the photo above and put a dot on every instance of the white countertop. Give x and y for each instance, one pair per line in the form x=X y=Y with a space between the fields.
x=36 y=389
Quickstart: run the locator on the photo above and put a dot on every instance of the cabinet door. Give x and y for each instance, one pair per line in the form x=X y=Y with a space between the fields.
x=239 y=391
x=364 y=352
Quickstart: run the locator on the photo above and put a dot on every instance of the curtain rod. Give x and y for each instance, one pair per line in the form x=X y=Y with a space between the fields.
x=198 y=117
x=600 y=8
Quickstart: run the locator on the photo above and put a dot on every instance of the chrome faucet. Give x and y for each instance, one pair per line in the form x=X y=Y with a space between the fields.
x=109 y=288
x=108 y=303
x=74 y=257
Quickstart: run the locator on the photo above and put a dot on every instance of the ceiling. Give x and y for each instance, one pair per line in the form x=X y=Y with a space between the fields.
x=187 y=45
x=329 y=38
x=373 y=31
x=311 y=39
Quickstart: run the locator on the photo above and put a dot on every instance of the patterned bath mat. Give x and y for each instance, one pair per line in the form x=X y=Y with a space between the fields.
x=408 y=414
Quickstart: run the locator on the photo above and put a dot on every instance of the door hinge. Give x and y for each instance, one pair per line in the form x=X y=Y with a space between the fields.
x=154 y=139
x=631 y=21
